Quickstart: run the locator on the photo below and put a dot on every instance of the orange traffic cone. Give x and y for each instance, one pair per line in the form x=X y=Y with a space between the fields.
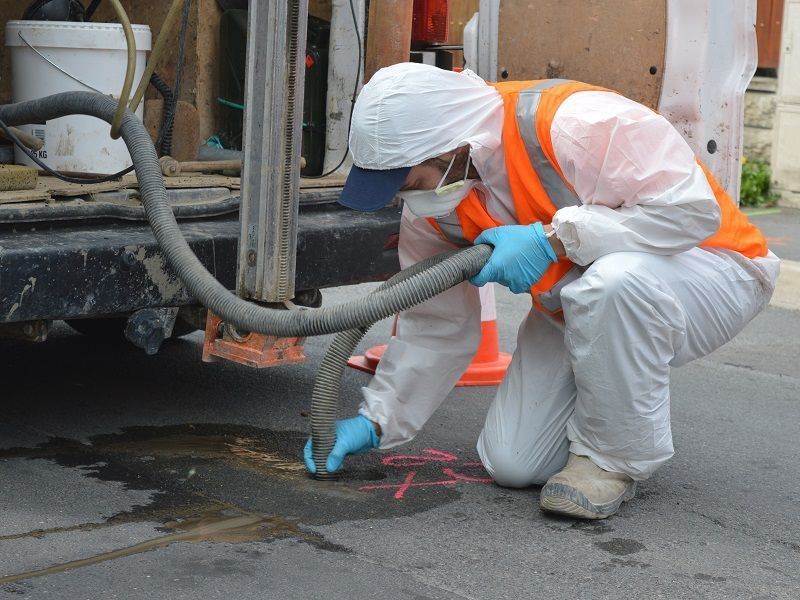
x=489 y=365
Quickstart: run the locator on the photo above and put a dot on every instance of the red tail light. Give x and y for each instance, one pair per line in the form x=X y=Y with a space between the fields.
x=431 y=21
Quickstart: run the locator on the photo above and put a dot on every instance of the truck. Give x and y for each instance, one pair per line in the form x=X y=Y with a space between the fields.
x=275 y=235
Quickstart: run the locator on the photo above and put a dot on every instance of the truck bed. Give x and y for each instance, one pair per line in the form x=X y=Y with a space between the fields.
x=65 y=270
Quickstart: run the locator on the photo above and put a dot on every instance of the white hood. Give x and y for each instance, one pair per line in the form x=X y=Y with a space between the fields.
x=409 y=113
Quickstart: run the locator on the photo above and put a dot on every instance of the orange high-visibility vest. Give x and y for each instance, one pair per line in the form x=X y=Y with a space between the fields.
x=539 y=189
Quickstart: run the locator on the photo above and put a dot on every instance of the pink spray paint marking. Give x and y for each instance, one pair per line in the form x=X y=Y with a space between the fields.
x=402 y=488
x=469 y=478
x=399 y=460
x=428 y=457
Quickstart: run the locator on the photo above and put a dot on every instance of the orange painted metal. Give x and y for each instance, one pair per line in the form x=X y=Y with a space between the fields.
x=768 y=33
x=251 y=349
x=388 y=34
x=488 y=367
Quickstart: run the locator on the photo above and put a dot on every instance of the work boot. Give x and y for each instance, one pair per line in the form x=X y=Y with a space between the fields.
x=584 y=490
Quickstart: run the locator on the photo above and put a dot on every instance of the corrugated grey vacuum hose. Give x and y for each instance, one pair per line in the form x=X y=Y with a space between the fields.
x=406 y=291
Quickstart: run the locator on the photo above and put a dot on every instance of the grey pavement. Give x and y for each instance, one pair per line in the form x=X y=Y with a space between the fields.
x=178 y=479
x=782 y=227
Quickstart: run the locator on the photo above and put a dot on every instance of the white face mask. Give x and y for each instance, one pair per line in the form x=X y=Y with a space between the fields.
x=442 y=200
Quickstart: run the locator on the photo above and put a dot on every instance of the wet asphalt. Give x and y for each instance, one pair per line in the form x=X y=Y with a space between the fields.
x=127 y=476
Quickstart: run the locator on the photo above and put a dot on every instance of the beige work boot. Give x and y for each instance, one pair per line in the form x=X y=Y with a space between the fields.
x=584 y=490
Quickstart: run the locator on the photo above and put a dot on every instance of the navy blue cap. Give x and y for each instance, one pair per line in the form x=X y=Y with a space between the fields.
x=369 y=190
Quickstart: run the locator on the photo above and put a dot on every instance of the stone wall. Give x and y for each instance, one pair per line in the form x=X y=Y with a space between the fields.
x=759 y=116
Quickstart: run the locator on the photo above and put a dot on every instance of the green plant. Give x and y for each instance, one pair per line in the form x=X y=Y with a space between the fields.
x=756 y=182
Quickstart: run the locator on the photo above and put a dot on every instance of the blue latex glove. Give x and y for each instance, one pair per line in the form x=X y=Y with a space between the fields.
x=353 y=436
x=521 y=256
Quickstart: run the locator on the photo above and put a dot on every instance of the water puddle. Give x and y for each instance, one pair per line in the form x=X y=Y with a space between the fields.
x=219 y=527
x=230 y=484
x=240 y=447
x=248 y=453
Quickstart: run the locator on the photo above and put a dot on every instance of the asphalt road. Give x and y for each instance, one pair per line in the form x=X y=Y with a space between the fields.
x=782 y=227
x=174 y=479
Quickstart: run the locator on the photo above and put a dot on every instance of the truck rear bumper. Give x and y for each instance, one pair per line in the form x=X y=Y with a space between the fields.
x=92 y=270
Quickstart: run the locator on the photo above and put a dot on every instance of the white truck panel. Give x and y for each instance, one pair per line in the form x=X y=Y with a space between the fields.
x=710 y=59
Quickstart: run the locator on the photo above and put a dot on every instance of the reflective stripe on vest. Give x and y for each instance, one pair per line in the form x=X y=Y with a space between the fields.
x=561 y=195
x=451 y=229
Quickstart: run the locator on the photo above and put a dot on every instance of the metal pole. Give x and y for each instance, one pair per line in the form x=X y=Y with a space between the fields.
x=273 y=122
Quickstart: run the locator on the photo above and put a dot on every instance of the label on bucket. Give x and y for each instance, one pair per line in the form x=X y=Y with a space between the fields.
x=38 y=130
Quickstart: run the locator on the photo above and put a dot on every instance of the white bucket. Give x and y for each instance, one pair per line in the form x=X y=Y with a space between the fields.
x=49 y=57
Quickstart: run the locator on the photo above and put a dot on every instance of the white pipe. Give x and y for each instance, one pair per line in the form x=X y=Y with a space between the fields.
x=342 y=62
x=488 y=24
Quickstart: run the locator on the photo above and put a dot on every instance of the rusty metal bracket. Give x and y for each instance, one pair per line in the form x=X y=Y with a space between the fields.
x=223 y=341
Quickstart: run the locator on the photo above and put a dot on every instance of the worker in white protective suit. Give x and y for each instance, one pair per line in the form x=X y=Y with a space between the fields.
x=635 y=257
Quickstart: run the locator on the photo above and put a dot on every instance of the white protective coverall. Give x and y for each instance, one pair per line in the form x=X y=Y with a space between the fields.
x=596 y=384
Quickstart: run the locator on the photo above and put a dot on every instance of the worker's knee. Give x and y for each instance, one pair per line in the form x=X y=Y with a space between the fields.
x=507 y=470
x=511 y=468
